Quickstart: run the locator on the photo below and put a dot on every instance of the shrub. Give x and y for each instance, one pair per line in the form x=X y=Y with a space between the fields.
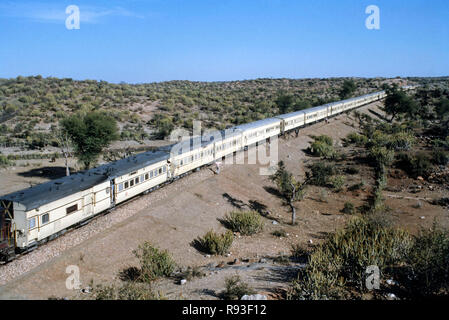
x=235 y=288
x=4 y=161
x=298 y=252
x=213 y=243
x=401 y=141
x=440 y=157
x=191 y=273
x=337 y=182
x=415 y=165
x=348 y=208
x=154 y=263
x=320 y=173
x=357 y=186
x=358 y=139
x=279 y=233
x=382 y=156
x=245 y=222
x=322 y=147
x=126 y=291
x=342 y=259
x=352 y=170
x=428 y=263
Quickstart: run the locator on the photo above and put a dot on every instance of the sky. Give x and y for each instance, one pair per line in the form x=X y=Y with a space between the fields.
x=138 y=41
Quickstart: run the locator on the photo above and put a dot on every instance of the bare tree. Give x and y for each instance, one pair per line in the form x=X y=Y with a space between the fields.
x=289 y=188
x=65 y=146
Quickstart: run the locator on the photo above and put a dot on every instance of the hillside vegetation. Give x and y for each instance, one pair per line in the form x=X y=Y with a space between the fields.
x=30 y=107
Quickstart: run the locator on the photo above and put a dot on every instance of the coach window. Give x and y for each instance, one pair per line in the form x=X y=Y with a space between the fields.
x=137 y=180
x=142 y=178
x=126 y=185
x=71 y=209
x=31 y=223
x=147 y=176
x=155 y=172
x=151 y=174
x=45 y=218
x=160 y=170
x=120 y=187
x=131 y=183
x=164 y=168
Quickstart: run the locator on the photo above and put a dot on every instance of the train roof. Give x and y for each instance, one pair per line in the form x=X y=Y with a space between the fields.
x=256 y=124
x=41 y=194
x=197 y=142
x=291 y=114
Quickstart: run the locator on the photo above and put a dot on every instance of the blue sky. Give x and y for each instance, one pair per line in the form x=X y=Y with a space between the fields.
x=206 y=40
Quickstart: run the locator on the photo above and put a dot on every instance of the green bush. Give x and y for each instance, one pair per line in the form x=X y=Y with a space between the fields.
x=337 y=183
x=401 y=141
x=342 y=259
x=214 y=243
x=245 y=222
x=382 y=156
x=415 y=165
x=357 y=139
x=348 y=208
x=440 y=157
x=322 y=147
x=320 y=173
x=5 y=162
x=125 y=291
x=279 y=233
x=428 y=272
x=154 y=263
x=235 y=289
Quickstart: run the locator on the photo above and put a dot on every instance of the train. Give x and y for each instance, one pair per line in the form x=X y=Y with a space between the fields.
x=33 y=216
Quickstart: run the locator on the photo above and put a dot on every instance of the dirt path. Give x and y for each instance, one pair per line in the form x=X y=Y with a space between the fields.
x=175 y=215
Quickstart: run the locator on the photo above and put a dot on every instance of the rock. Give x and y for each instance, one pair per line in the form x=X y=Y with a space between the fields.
x=422 y=217
x=220 y=265
x=263 y=260
x=228 y=254
x=275 y=222
x=236 y=261
x=420 y=178
x=183 y=281
x=86 y=290
x=391 y=296
x=254 y=297
x=310 y=241
x=391 y=282
x=207 y=255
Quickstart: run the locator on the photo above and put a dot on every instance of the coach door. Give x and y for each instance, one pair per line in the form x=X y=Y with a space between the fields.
x=87 y=210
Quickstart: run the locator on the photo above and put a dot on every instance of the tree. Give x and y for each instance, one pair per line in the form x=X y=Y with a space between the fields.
x=90 y=134
x=65 y=144
x=290 y=189
x=442 y=110
x=347 y=89
x=398 y=102
x=285 y=102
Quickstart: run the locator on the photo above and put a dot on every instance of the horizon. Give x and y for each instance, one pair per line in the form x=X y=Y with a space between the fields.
x=159 y=41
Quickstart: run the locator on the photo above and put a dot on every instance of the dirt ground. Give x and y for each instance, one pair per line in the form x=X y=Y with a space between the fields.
x=173 y=216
